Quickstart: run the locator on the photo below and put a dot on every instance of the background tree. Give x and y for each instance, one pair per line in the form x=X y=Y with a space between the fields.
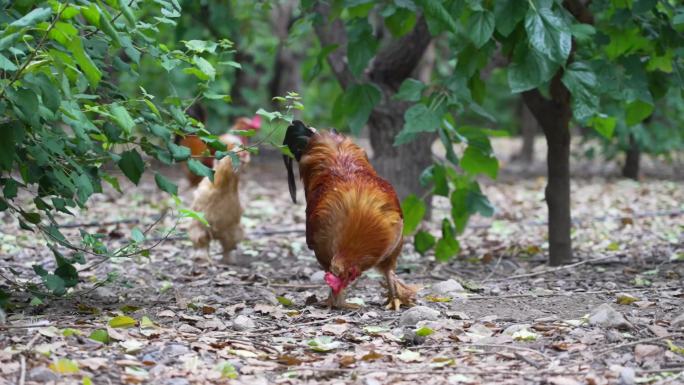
x=73 y=101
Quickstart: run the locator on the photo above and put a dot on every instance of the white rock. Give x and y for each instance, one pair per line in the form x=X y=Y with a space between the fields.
x=242 y=322
x=627 y=376
x=418 y=313
x=604 y=315
x=42 y=374
x=509 y=331
x=447 y=287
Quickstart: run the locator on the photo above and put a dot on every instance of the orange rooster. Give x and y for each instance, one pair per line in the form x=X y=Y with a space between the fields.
x=206 y=154
x=353 y=218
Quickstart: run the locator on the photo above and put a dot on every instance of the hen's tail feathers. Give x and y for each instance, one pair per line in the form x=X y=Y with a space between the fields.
x=296 y=139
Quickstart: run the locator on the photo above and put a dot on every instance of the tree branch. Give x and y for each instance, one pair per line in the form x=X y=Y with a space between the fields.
x=580 y=10
x=397 y=61
x=333 y=33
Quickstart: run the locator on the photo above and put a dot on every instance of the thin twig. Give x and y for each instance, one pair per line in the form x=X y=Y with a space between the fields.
x=568 y=293
x=500 y=346
x=552 y=270
x=642 y=341
x=22 y=376
x=98 y=223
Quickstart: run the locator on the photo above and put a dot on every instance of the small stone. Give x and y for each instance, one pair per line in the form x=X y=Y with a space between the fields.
x=447 y=287
x=604 y=315
x=418 y=313
x=42 y=374
x=185 y=328
x=242 y=322
x=643 y=353
x=318 y=277
x=509 y=331
x=106 y=295
x=610 y=285
x=627 y=376
x=174 y=350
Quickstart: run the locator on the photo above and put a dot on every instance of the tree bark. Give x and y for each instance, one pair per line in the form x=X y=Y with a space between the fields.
x=286 y=76
x=401 y=165
x=528 y=131
x=554 y=118
x=631 y=168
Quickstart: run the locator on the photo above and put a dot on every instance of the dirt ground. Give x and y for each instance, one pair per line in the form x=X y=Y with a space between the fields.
x=496 y=314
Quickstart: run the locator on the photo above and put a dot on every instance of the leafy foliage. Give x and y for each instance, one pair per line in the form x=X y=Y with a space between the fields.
x=66 y=112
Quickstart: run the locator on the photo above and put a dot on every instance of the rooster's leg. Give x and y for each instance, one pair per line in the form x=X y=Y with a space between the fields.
x=393 y=301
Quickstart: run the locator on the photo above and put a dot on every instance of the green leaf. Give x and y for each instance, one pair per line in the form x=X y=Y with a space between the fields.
x=26 y=103
x=637 y=111
x=529 y=69
x=131 y=164
x=508 y=13
x=48 y=92
x=55 y=284
x=423 y=241
x=414 y=211
x=11 y=134
x=358 y=103
x=32 y=18
x=361 y=46
x=92 y=14
x=548 y=33
x=64 y=366
x=285 y=301
x=480 y=27
x=122 y=118
x=122 y=321
x=439 y=178
x=200 y=46
x=401 y=22
x=63 y=33
x=604 y=125
x=434 y=9
x=84 y=61
x=580 y=80
x=446 y=249
x=165 y=184
x=6 y=64
x=179 y=153
x=424 y=331
x=137 y=235
x=475 y=161
x=418 y=118
x=203 y=65
x=410 y=90
x=198 y=168
x=100 y=335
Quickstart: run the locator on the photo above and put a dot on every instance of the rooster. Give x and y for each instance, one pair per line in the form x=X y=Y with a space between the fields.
x=353 y=217
x=205 y=154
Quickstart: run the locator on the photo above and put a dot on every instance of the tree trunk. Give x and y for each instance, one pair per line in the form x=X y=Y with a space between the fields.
x=286 y=75
x=631 y=167
x=528 y=130
x=554 y=118
x=401 y=165
x=394 y=63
